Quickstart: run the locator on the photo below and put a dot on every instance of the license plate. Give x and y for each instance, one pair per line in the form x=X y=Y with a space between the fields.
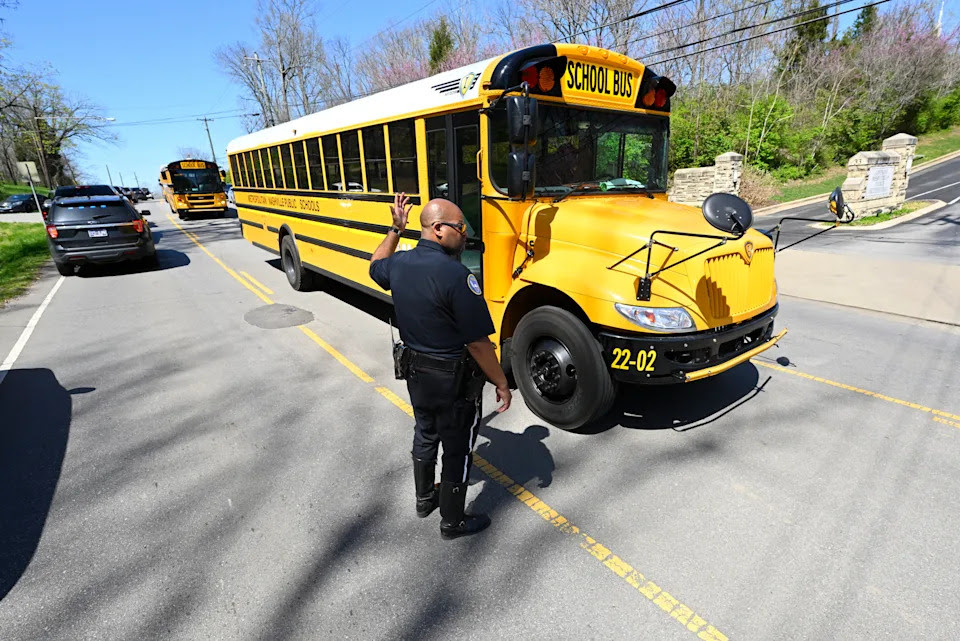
x=626 y=359
x=97 y=233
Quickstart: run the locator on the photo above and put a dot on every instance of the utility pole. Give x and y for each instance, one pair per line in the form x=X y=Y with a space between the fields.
x=137 y=179
x=109 y=177
x=213 y=152
x=263 y=88
x=940 y=20
x=121 y=180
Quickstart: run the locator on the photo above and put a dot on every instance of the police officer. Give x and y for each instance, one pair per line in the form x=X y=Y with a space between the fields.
x=444 y=323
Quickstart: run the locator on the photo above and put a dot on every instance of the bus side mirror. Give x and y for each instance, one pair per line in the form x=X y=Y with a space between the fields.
x=223 y=174
x=522 y=120
x=520 y=174
x=837 y=206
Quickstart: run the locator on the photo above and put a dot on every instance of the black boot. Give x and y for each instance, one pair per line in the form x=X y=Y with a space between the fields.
x=453 y=522
x=423 y=475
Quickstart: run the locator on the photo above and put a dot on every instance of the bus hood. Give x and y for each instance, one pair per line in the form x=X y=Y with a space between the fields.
x=582 y=238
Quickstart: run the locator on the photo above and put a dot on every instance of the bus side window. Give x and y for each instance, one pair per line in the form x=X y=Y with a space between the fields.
x=403 y=157
x=288 y=174
x=315 y=160
x=277 y=168
x=437 y=162
x=235 y=171
x=299 y=164
x=375 y=157
x=248 y=169
x=267 y=171
x=331 y=160
x=350 y=147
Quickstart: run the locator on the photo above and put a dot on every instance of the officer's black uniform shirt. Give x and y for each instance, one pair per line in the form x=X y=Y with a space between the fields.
x=439 y=304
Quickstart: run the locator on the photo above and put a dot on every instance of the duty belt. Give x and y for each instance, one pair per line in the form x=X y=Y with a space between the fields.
x=426 y=361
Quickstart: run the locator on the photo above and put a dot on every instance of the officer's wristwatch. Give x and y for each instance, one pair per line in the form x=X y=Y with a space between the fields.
x=396 y=230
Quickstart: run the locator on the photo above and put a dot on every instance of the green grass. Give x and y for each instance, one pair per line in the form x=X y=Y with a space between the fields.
x=938 y=144
x=23 y=249
x=821 y=184
x=908 y=208
x=8 y=189
x=931 y=146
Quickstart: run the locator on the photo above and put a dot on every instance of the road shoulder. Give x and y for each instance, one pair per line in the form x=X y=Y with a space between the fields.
x=17 y=312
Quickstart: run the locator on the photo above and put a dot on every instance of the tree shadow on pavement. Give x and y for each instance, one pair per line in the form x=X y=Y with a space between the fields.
x=166 y=259
x=36 y=413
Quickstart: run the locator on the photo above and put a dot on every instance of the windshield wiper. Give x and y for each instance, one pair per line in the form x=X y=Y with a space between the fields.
x=578 y=187
x=99 y=216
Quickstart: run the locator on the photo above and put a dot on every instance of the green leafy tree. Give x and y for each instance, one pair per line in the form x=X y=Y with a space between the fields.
x=441 y=44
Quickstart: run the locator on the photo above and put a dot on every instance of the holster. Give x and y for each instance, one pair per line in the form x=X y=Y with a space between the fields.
x=470 y=378
x=401 y=361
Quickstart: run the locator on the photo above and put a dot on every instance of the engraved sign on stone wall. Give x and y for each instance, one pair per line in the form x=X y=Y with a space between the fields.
x=879 y=180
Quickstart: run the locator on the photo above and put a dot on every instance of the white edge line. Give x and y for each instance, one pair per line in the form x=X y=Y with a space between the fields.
x=954 y=201
x=27 y=331
x=933 y=190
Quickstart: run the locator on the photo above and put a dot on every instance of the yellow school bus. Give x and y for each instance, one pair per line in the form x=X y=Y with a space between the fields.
x=193 y=187
x=557 y=155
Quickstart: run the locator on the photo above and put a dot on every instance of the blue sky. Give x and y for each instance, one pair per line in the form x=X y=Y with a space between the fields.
x=147 y=60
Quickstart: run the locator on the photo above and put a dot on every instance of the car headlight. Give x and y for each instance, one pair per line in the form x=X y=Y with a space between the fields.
x=663 y=319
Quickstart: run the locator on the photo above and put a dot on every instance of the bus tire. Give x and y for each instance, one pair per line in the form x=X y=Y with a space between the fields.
x=559 y=368
x=298 y=276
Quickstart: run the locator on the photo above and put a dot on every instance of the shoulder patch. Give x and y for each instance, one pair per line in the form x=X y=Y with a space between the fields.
x=474 y=285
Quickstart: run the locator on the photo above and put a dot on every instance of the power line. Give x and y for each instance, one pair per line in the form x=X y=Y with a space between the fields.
x=768 y=33
x=178 y=120
x=752 y=26
x=699 y=22
x=395 y=24
x=634 y=16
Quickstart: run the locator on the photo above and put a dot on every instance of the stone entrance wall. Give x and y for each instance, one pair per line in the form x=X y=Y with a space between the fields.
x=692 y=186
x=877 y=180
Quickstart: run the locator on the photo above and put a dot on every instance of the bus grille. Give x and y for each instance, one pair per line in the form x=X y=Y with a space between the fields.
x=734 y=287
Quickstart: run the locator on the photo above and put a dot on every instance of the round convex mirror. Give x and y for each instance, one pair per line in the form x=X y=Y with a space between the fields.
x=728 y=213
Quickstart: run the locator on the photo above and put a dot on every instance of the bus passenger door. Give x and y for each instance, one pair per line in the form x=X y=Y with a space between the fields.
x=452 y=145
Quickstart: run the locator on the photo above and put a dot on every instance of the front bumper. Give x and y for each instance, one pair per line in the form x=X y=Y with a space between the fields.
x=651 y=359
x=113 y=254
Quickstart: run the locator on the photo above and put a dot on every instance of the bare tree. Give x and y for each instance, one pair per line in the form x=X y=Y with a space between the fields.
x=193 y=153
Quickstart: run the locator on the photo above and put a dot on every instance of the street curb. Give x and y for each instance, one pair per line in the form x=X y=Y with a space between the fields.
x=934 y=206
x=773 y=209
x=935 y=162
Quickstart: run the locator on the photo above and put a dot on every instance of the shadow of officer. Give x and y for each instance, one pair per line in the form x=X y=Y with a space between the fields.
x=523 y=457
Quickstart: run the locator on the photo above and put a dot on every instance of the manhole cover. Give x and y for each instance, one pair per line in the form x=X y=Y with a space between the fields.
x=277 y=316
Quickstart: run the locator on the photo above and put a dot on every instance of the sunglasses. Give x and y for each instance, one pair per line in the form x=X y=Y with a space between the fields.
x=460 y=227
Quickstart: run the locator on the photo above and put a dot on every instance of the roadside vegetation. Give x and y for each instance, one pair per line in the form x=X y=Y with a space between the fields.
x=23 y=250
x=8 y=189
x=941 y=143
x=908 y=208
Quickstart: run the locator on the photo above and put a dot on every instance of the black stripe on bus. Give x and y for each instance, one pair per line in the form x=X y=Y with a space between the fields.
x=250 y=223
x=350 y=283
x=269 y=249
x=339 y=195
x=273 y=229
x=350 y=251
x=340 y=222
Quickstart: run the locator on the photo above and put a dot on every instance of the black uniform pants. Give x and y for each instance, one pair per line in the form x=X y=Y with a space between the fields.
x=445 y=417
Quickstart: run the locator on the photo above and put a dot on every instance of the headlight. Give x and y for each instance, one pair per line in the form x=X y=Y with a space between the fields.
x=664 y=319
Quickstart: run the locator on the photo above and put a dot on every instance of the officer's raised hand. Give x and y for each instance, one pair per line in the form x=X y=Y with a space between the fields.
x=401 y=210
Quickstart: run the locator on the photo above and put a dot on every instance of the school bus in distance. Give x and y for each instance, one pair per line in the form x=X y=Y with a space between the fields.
x=193 y=187
x=557 y=155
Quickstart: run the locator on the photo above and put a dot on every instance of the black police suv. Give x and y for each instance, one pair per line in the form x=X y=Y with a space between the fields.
x=97 y=229
x=18 y=202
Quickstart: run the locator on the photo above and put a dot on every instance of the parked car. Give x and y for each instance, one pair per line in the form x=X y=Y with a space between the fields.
x=145 y=194
x=97 y=229
x=228 y=189
x=17 y=203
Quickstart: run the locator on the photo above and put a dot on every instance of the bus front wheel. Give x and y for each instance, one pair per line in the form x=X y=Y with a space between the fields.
x=297 y=275
x=559 y=368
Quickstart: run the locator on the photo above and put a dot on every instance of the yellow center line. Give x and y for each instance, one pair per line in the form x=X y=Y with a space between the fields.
x=679 y=612
x=851 y=388
x=256 y=282
x=946 y=422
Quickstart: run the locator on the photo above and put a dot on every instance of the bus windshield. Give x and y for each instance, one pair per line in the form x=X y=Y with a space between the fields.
x=589 y=150
x=196 y=181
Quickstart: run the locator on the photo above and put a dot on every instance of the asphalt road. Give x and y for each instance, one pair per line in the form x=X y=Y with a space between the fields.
x=170 y=469
x=930 y=238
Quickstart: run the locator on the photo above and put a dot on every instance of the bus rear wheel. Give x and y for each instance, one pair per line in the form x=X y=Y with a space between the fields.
x=297 y=275
x=559 y=368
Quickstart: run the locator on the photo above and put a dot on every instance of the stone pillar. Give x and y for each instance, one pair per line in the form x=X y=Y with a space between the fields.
x=871 y=186
x=906 y=146
x=729 y=170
